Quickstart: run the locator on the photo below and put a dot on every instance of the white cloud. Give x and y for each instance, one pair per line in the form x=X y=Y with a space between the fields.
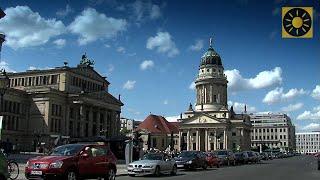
x=121 y=49
x=110 y=69
x=25 y=28
x=129 y=85
x=311 y=127
x=239 y=107
x=308 y=115
x=262 y=80
x=277 y=95
x=91 y=25
x=107 y=45
x=5 y=65
x=317 y=108
x=192 y=86
x=147 y=64
x=163 y=43
x=143 y=10
x=166 y=102
x=155 y=12
x=60 y=43
x=64 y=12
x=32 y=68
x=172 y=118
x=133 y=111
x=292 y=107
x=198 y=45
x=316 y=92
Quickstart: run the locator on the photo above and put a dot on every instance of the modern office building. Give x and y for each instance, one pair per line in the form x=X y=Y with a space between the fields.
x=66 y=102
x=308 y=142
x=273 y=130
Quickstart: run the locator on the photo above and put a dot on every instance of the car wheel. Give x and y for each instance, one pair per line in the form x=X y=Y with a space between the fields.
x=205 y=166
x=71 y=175
x=218 y=165
x=174 y=170
x=111 y=174
x=157 y=171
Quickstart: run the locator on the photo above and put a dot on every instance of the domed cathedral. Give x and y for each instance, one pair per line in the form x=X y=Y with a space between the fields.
x=210 y=125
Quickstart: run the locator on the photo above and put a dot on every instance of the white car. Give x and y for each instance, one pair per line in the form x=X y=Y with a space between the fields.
x=153 y=163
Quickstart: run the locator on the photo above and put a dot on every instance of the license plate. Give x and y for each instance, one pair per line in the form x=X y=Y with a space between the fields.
x=36 y=172
x=179 y=166
x=137 y=170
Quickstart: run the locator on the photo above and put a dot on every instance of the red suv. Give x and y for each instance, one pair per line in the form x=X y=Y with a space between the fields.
x=73 y=161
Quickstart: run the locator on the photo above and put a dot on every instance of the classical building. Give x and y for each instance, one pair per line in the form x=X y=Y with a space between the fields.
x=308 y=142
x=273 y=130
x=67 y=102
x=156 y=132
x=210 y=125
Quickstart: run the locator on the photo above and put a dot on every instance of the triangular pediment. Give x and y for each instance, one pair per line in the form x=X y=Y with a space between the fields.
x=202 y=118
x=89 y=72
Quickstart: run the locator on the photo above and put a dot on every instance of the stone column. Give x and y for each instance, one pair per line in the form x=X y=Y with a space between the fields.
x=224 y=139
x=206 y=140
x=197 y=140
x=179 y=141
x=215 y=140
x=188 y=140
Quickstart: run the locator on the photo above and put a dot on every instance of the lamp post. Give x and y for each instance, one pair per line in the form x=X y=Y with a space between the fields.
x=4 y=84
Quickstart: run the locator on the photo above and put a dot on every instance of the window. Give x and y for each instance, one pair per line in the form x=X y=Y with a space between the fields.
x=280 y=136
x=280 y=129
x=271 y=130
x=284 y=129
x=275 y=130
x=264 y=130
x=259 y=130
x=284 y=136
x=194 y=146
x=267 y=130
x=234 y=133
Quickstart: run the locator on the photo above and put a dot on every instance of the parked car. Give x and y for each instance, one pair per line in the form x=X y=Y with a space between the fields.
x=264 y=156
x=318 y=162
x=3 y=167
x=279 y=155
x=226 y=157
x=73 y=161
x=212 y=159
x=252 y=157
x=153 y=163
x=241 y=157
x=191 y=160
x=259 y=157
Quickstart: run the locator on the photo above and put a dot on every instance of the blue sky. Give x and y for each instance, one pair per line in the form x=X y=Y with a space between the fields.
x=150 y=51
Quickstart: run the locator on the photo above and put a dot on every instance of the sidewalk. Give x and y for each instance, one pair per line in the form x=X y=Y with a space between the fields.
x=121 y=169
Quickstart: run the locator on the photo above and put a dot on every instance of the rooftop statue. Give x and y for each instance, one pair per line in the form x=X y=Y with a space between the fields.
x=86 y=61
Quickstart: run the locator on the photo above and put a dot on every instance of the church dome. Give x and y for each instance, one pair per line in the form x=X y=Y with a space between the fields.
x=211 y=57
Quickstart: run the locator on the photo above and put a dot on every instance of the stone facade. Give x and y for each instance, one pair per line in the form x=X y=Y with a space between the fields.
x=273 y=131
x=211 y=126
x=72 y=102
x=308 y=142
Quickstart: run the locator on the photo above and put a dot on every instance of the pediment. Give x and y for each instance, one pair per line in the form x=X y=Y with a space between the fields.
x=202 y=119
x=89 y=72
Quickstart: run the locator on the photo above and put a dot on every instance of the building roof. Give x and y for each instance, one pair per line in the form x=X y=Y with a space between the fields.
x=158 y=125
x=2 y=14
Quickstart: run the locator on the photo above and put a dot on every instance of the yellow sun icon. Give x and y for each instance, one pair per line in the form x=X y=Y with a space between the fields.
x=297 y=22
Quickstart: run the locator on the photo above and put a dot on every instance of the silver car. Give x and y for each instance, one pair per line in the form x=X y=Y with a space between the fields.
x=153 y=164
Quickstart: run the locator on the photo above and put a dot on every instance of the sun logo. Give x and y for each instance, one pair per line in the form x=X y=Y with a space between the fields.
x=297 y=22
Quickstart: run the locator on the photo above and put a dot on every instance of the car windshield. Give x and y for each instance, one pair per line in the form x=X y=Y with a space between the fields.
x=187 y=154
x=66 y=150
x=152 y=157
x=222 y=153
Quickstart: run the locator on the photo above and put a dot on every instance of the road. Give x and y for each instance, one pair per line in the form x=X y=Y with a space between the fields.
x=294 y=168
